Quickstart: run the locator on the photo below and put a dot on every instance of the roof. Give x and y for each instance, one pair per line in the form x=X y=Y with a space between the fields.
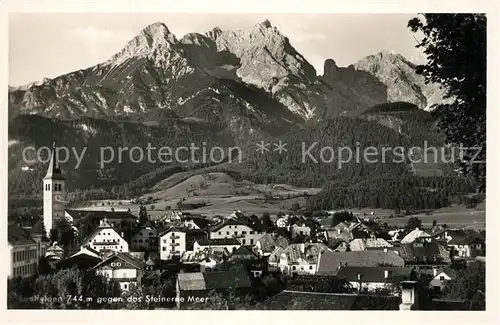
x=413 y=235
x=125 y=257
x=231 y=222
x=103 y=225
x=268 y=242
x=227 y=279
x=100 y=214
x=466 y=240
x=218 y=242
x=243 y=253
x=359 y=244
x=202 y=223
x=81 y=260
x=300 y=300
x=275 y=255
x=54 y=170
x=199 y=256
x=329 y=262
x=373 y=274
x=295 y=255
x=191 y=281
x=19 y=236
x=424 y=253
x=213 y=280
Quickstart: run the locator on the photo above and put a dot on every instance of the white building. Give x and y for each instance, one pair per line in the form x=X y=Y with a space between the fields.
x=231 y=228
x=172 y=242
x=122 y=268
x=223 y=244
x=371 y=279
x=105 y=239
x=300 y=258
x=25 y=250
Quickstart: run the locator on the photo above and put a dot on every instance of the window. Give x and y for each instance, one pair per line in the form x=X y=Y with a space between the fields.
x=164 y=241
x=252 y=232
x=125 y=286
x=220 y=232
x=227 y=232
x=441 y=278
x=294 y=268
x=251 y=241
x=243 y=241
x=14 y=257
x=310 y=267
x=163 y=248
x=173 y=241
x=235 y=232
x=48 y=187
x=243 y=232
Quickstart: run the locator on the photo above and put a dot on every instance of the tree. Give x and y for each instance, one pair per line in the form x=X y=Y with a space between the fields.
x=414 y=223
x=469 y=285
x=339 y=217
x=434 y=223
x=455 y=45
x=267 y=223
x=143 y=214
x=75 y=286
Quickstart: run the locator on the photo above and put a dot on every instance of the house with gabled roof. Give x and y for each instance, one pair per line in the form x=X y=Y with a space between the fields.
x=424 y=254
x=441 y=276
x=194 y=288
x=466 y=246
x=221 y=244
x=122 y=268
x=243 y=256
x=329 y=263
x=206 y=258
x=301 y=258
x=242 y=230
x=370 y=279
x=115 y=218
x=84 y=259
x=267 y=243
x=363 y=244
x=105 y=239
x=414 y=235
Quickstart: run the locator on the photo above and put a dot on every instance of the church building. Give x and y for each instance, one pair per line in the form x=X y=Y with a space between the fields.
x=54 y=192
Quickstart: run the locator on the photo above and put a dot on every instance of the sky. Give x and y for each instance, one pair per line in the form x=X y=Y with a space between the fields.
x=46 y=45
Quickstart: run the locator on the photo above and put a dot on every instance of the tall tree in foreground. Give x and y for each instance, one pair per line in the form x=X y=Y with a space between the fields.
x=455 y=45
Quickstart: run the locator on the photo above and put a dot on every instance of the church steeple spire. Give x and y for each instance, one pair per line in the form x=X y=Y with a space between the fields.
x=54 y=171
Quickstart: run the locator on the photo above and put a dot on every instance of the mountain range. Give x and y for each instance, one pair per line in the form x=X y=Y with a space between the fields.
x=232 y=87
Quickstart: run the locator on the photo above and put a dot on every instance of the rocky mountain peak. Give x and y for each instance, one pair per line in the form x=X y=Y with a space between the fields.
x=264 y=24
x=329 y=69
x=214 y=33
x=152 y=37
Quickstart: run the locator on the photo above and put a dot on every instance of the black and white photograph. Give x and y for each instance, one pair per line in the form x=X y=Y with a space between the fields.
x=247 y=161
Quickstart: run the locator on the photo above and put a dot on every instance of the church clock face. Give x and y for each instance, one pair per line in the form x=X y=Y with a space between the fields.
x=58 y=198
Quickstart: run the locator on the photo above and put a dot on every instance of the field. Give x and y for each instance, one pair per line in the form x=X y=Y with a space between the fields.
x=219 y=194
x=454 y=216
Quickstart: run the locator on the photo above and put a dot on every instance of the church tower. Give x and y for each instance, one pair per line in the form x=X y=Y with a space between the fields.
x=54 y=192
